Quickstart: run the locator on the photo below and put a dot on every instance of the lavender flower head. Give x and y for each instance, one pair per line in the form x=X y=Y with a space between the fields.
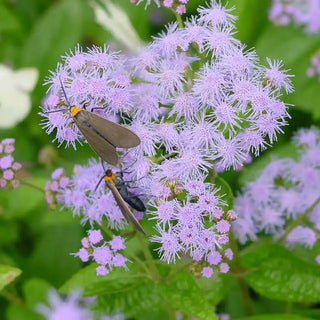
x=179 y=6
x=314 y=68
x=8 y=167
x=197 y=98
x=69 y=308
x=105 y=254
x=56 y=187
x=72 y=307
x=91 y=199
x=302 y=12
x=286 y=190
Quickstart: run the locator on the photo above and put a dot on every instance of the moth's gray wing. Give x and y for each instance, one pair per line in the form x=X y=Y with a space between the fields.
x=115 y=133
x=123 y=207
x=101 y=147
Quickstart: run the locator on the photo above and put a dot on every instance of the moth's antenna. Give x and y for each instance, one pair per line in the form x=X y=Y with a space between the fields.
x=64 y=93
x=98 y=184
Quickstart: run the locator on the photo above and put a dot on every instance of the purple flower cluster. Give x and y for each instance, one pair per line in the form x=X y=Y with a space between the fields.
x=55 y=187
x=95 y=80
x=286 y=190
x=93 y=202
x=314 y=69
x=105 y=254
x=197 y=98
x=64 y=308
x=72 y=307
x=194 y=225
x=302 y=12
x=194 y=92
x=8 y=167
x=178 y=5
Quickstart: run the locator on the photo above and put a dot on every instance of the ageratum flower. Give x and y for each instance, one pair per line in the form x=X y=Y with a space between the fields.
x=314 y=69
x=302 y=12
x=105 y=254
x=198 y=99
x=283 y=192
x=177 y=5
x=8 y=167
x=73 y=306
x=55 y=187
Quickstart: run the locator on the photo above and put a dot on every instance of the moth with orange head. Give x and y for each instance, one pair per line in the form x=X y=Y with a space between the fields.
x=102 y=135
x=109 y=178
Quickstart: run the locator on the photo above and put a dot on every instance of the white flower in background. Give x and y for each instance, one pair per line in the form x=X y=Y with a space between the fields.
x=116 y=21
x=15 y=86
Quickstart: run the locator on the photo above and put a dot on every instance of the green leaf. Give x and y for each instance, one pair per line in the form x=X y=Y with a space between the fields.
x=129 y=291
x=23 y=200
x=58 y=30
x=183 y=294
x=51 y=258
x=287 y=43
x=9 y=232
x=252 y=171
x=214 y=288
x=252 y=18
x=276 y=273
x=8 y=20
x=7 y=275
x=294 y=47
x=17 y=312
x=276 y=317
x=35 y=291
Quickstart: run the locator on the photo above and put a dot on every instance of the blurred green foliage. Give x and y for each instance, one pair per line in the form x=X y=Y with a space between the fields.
x=36 y=33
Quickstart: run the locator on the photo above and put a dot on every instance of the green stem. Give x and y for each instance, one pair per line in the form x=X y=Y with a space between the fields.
x=240 y=276
x=298 y=221
x=31 y=185
x=178 y=17
x=212 y=174
x=152 y=266
x=139 y=261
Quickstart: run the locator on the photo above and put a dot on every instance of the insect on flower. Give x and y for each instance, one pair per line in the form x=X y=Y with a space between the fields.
x=122 y=195
x=102 y=135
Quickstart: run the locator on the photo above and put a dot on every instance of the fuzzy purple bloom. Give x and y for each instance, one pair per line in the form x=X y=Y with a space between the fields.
x=283 y=191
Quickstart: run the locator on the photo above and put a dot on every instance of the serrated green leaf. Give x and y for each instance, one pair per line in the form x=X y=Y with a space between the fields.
x=7 y=275
x=276 y=317
x=183 y=294
x=116 y=281
x=213 y=288
x=135 y=300
x=131 y=292
x=276 y=273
